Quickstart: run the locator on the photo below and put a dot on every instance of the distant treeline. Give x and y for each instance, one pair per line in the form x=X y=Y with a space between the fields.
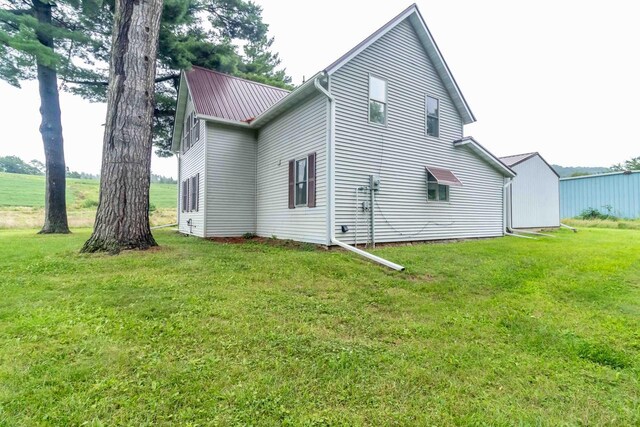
x=14 y=164
x=565 y=171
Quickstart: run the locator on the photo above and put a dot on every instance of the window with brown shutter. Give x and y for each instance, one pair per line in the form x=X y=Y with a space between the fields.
x=311 y=186
x=292 y=184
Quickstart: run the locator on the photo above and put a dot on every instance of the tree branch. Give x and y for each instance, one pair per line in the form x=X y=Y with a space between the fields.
x=95 y=83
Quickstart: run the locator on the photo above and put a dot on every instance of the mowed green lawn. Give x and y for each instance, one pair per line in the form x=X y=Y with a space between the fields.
x=18 y=190
x=487 y=332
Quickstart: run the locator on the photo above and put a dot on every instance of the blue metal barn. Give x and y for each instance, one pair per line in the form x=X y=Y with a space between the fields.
x=618 y=190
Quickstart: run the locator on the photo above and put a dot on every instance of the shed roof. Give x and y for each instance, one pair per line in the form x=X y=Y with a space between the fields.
x=516 y=159
x=227 y=97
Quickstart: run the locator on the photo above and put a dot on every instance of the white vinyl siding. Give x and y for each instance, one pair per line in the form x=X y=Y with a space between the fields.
x=192 y=163
x=400 y=152
x=534 y=195
x=294 y=135
x=231 y=181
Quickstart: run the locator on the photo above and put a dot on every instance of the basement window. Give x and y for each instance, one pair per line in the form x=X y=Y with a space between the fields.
x=439 y=181
x=377 y=101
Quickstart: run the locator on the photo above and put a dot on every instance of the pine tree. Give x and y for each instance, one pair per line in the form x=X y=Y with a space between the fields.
x=39 y=39
x=122 y=220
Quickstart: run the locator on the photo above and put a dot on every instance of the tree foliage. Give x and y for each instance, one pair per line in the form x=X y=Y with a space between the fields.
x=14 y=164
x=78 y=28
x=223 y=35
x=632 y=164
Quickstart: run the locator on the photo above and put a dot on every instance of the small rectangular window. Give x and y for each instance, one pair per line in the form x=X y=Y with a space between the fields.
x=301 y=182
x=194 y=194
x=433 y=116
x=436 y=191
x=377 y=100
x=185 y=196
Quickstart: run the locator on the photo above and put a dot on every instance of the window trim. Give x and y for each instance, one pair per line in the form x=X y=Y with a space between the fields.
x=385 y=103
x=426 y=116
x=435 y=181
x=296 y=182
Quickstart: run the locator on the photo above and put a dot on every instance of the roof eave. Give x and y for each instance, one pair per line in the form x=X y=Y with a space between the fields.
x=285 y=103
x=485 y=154
x=180 y=107
x=222 y=121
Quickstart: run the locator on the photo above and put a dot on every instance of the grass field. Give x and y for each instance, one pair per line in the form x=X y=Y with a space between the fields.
x=487 y=332
x=22 y=201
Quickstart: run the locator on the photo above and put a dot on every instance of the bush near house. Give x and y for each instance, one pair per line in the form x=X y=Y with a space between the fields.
x=484 y=332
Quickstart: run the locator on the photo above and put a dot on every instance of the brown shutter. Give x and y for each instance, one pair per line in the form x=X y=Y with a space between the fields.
x=182 y=202
x=292 y=184
x=311 y=183
x=197 y=192
x=187 y=208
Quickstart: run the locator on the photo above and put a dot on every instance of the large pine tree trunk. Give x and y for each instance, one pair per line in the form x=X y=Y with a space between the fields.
x=122 y=220
x=55 y=217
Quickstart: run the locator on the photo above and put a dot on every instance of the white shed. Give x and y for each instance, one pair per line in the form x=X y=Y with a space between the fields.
x=533 y=199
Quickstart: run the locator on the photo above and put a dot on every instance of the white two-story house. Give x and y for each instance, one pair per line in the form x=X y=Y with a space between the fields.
x=370 y=148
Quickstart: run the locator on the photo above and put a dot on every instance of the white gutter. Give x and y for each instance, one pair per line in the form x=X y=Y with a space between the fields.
x=331 y=185
x=222 y=121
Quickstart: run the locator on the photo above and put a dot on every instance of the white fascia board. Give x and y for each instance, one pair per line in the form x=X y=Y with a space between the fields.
x=222 y=121
x=431 y=49
x=285 y=103
x=180 y=108
x=485 y=154
x=370 y=40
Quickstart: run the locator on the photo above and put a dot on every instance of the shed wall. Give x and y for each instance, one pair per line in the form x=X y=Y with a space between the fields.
x=400 y=151
x=535 y=195
x=621 y=192
x=294 y=135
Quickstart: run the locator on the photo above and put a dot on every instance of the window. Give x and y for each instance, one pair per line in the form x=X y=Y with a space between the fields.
x=191 y=194
x=433 y=114
x=377 y=100
x=436 y=191
x=301 y=182
x=185 y=195
x=191 y=132
x=195 y=193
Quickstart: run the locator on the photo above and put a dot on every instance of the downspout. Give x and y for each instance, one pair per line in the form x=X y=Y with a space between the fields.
x=505 y=217
x=331 y=238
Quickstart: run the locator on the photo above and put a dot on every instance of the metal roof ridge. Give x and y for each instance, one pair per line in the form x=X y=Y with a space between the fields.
x=240 y=78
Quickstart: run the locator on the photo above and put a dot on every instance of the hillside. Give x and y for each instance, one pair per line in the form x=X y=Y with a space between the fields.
x=18 y=190
x=565 y=171
x=22 y=201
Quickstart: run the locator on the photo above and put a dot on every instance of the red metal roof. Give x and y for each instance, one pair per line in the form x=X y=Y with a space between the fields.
x=443 y=176
x=227 y=97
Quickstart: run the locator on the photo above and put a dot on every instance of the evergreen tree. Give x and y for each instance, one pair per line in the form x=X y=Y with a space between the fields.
x=38 y=40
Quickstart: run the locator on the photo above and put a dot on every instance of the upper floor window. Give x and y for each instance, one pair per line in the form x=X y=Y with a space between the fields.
x=433 y=116
x=191 y=132
x=377 y=100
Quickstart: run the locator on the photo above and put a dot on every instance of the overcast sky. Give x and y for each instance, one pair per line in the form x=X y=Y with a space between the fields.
x=560 y=77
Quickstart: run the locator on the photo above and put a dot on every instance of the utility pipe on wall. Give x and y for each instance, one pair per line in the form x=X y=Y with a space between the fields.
x=505 y=217
x=331 y=186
